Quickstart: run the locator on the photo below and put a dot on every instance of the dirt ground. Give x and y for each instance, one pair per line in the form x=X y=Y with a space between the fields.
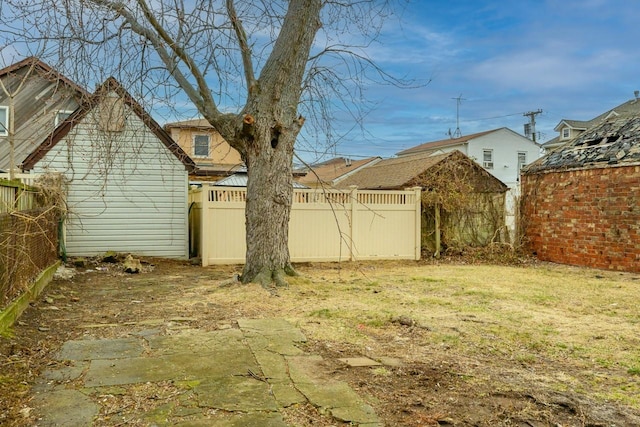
x=440 y=380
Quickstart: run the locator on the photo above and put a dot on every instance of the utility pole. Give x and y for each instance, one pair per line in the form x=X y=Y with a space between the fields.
x=457 y=133
x=530 y=128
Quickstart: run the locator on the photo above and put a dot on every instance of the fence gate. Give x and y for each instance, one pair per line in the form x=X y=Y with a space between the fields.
x=330 y=225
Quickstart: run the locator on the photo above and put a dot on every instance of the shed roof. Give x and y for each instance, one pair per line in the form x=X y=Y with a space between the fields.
x=111 y=84
x=334 y=169
x=239 y=179
x=401 y=172
x=613 y=142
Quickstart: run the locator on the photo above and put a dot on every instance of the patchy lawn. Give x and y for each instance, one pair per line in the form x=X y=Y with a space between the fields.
x=478 y=345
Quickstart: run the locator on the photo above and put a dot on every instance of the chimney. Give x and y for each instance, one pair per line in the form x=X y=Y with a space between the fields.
x=347 y=162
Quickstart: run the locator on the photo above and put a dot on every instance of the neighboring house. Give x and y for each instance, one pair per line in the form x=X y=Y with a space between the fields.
x=42 y=99
x=213 y=155
x=502 y=152
x=580 y=201
x=570 y=129
x=331 y=172
x=127 y=180
x=445 y=179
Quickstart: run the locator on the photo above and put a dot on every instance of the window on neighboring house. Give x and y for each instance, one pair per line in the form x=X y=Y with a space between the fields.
x=522 y=160
x=566 y=133
x=201 y=145
x=4 y=121
x=61 y=116
x=487 y=159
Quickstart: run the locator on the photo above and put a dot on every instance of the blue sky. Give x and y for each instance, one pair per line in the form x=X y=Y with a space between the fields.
x=572 y=59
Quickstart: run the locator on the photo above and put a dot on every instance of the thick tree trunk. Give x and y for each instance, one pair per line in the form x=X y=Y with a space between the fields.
x=268 y=132
x=268 y=207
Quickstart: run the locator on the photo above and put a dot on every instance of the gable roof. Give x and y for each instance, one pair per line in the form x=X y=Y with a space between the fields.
x=39 y=94
x=613 y=142
x=334 y=169
x=44 y=69
x=190 y=124
x=110 y=85
x=628 y=107
x=401 y=172
x=434 y=145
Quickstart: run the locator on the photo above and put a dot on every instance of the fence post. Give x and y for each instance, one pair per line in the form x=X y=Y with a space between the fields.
x=204 y=224
x=418 y=223
x=352 y=223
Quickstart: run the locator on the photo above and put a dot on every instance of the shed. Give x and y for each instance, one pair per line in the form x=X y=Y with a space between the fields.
x=581 y=204
x=459 y=197
x=126 y=178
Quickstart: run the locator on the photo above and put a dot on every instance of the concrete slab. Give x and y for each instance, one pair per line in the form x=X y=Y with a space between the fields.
x=100 y=349
x=234 y=393
x=273 y=365
x=357 y=362
x=66 y=373
x=237 y=420
x=129 y=371
x=68 y=408
x=192 y=341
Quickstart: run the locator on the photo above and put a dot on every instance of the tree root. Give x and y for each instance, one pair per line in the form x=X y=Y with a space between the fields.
x=272 y=279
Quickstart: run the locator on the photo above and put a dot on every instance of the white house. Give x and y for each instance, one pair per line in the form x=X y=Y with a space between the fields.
x=501 y=152
x=127 y=180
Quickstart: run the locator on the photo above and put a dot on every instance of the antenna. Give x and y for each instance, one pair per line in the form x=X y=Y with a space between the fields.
x=457 y=133
x=530 y=128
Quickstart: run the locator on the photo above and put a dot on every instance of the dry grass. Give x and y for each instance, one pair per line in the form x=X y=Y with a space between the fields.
x=565 y=328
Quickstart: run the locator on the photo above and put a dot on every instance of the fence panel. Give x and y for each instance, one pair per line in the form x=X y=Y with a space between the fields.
x=324 y=225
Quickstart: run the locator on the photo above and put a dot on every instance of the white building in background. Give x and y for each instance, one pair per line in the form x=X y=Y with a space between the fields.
x=501 y=152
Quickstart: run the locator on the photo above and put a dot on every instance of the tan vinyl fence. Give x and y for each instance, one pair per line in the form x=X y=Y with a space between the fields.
x=324 y=226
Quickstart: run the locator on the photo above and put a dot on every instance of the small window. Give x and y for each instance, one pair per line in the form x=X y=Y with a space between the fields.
x=522 y=159
x=4 y=121
x=566 y=133
x=61 y=116
x=487 y=159
x=201 y=145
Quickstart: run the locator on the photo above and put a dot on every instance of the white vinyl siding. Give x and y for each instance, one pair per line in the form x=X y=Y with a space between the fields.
x=127 y=192
x=4 y=121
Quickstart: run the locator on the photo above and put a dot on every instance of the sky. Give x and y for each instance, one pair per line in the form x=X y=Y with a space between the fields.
x=570 y=59
x=480 y=65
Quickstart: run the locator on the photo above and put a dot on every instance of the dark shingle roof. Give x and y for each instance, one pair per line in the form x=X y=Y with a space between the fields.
x=614 y=142
x=402 y=172
x=433 y=145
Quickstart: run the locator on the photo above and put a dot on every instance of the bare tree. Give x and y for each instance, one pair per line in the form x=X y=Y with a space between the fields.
x=252 y=68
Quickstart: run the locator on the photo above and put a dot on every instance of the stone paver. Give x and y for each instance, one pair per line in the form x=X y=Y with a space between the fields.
x=225 y=378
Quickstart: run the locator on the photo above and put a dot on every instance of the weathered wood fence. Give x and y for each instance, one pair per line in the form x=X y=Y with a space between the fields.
x=28 y=237
x=17 y=194
x=324 y=225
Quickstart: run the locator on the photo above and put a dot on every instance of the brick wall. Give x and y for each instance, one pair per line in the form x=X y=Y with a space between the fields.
x=586 y=217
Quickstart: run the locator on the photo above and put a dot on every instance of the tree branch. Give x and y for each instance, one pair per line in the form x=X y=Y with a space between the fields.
x=245 y=50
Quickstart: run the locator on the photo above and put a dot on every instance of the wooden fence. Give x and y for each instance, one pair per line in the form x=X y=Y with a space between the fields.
x=324 y=225
x=17 y=194
x=28 y=237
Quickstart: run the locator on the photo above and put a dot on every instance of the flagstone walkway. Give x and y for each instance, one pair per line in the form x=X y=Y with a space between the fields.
x=229 y=377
